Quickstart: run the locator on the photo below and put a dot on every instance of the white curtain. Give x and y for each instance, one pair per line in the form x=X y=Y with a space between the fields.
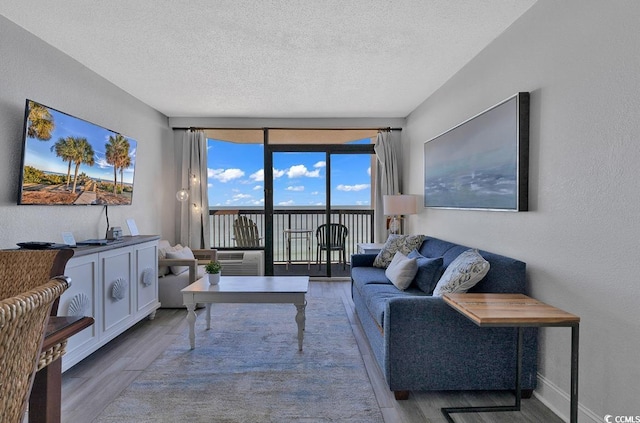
x=388 y=176
x=194 y=212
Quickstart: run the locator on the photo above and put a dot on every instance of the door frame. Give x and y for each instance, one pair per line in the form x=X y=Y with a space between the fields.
x=328 y=149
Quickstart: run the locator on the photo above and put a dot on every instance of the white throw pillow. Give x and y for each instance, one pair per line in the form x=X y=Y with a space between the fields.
x=184 y=253
x=401 y=270
x=162 y=254
x=403 y=243
x=462 y=273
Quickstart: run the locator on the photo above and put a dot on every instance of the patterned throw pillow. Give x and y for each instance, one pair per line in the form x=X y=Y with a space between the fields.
x=462 y=273
x=403 y=243
x=401 y=271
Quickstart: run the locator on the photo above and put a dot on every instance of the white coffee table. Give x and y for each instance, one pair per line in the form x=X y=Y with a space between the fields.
x=249 y=290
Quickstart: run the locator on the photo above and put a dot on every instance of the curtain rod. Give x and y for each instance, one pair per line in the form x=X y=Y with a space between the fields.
x=290 y=129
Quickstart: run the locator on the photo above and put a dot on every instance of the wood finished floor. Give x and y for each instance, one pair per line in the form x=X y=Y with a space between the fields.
x=91 y=385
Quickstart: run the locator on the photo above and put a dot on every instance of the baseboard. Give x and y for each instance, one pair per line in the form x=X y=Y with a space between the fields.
x=558 y=401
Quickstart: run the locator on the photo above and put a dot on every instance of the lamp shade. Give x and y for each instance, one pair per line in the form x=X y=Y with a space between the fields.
x=401 y=204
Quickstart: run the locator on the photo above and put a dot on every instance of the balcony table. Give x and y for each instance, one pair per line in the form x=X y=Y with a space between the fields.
x=290 y=234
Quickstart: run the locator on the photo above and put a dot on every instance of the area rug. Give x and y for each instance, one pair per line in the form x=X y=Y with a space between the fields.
x=247 y=368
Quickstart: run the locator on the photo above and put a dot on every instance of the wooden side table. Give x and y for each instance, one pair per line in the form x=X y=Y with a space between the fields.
x=46 y=396
x=369 y=248
x=520 y=311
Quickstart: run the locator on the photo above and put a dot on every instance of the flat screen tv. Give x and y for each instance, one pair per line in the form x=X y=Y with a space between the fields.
x=482 y=163
x=69 y=161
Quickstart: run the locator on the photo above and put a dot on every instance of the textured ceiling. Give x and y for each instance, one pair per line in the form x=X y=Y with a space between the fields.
x=260 y=58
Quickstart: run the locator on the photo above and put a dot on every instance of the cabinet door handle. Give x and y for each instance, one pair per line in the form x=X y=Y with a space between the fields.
x=119 y=289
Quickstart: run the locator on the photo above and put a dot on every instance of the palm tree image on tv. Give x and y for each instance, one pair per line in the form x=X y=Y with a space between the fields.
x=81 y=167
x=118 y=156
x=41 y=122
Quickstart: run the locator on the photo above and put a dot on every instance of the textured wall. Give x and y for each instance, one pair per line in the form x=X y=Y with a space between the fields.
x=30 y=68
x=581 y=240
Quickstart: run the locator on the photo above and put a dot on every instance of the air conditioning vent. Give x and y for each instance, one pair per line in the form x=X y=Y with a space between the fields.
x=242 y=263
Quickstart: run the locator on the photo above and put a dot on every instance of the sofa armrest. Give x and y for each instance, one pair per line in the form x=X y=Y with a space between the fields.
x=363 y=260
x=192 y=263
x=204 y=256
x=419 y=327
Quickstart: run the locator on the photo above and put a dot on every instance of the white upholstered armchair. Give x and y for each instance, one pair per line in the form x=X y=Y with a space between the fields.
x=179 y=267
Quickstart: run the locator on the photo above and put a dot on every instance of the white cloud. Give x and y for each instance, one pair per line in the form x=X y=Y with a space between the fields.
x=320 y=164
x=259 y=175
x=315 y=193
x=286 y=203
x=297 y=171
x=369 y=171
x=357 y=187
x=225 y=175
x=297 y=189
x=244 y=198
x=257 y=187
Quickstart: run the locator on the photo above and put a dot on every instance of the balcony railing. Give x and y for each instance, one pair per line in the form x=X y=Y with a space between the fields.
x=358 y=221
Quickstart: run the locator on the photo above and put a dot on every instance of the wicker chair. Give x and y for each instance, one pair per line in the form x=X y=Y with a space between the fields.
x=23 y=270
x=23 y=320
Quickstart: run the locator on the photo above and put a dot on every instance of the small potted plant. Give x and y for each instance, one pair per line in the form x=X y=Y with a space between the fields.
x=213 y=269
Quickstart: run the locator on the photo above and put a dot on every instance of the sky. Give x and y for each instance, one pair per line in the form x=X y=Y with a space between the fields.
x=236 y=177
x=39 y=155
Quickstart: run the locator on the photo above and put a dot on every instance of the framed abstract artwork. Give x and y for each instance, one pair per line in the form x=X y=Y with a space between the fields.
x=482 y=163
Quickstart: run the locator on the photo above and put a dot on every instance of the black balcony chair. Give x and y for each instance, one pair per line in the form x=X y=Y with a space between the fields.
x=332 y=237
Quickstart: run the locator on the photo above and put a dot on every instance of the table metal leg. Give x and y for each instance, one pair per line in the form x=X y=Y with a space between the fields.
x=287 y=246
x=309 y=251
x=575 y=335
x=516 y=407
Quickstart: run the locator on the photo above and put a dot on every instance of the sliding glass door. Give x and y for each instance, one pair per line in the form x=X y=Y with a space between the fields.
x=272 y=190
x=318 y=206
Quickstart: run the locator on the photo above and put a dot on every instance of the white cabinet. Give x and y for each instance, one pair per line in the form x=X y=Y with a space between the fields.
x=82 y=298
x=117 y=285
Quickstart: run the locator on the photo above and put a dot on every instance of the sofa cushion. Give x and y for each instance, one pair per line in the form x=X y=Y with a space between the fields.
x=462 y=273
x=429 y=271
x=368 y=275
x=401 y=270
x=403 y=243
x=184 y=253
x=163 y=247
x=376 y=297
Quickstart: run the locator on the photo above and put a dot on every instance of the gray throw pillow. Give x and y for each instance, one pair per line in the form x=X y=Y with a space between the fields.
x=401 y=271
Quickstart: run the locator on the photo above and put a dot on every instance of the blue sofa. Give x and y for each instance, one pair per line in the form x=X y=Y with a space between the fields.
x=422 y=344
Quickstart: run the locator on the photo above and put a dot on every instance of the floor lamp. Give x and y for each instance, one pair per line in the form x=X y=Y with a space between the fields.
x=398 y=206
